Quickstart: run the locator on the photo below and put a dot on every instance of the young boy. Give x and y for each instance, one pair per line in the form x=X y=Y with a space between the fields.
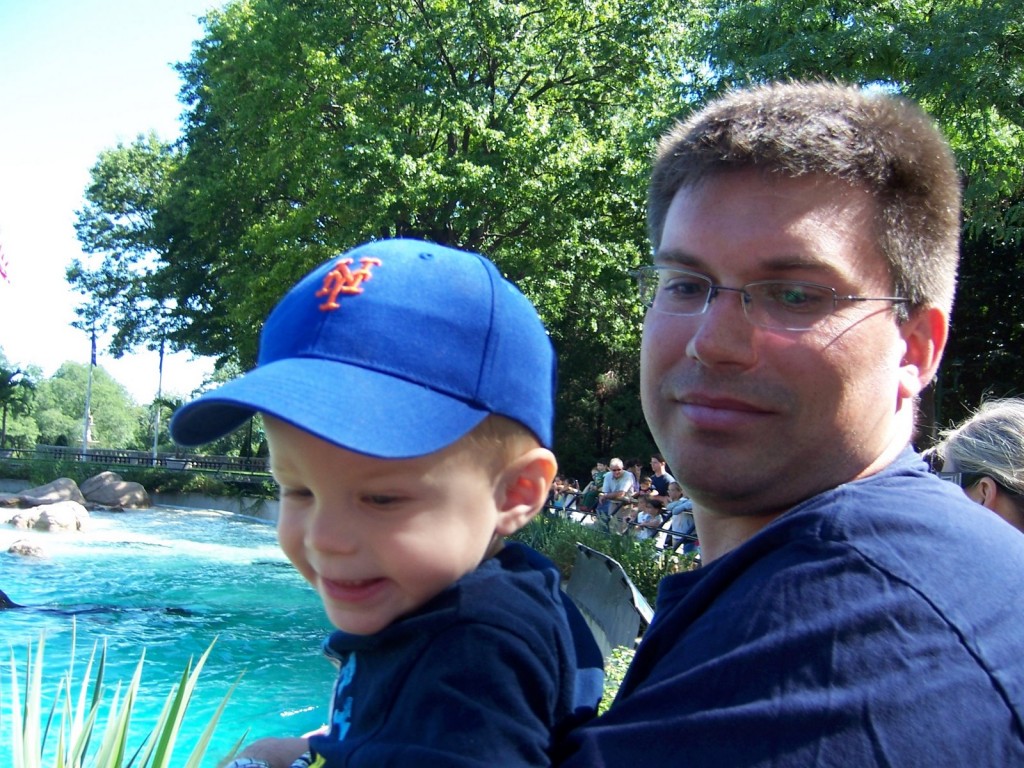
x=407 y=393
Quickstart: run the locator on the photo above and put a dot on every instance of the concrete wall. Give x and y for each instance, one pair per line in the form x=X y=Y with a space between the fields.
x=264 y=509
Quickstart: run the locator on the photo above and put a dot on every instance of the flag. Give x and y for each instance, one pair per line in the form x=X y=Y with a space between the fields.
x=93 y=359
x=4 y=274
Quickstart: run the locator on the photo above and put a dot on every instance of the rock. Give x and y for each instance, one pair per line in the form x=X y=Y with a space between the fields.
x=107 y=489
x=61 y=489
x=62 y=516
x=9 y=500
x=25 y=548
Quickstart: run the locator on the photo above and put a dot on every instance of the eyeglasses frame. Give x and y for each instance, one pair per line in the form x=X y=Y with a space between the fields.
x=746 y=298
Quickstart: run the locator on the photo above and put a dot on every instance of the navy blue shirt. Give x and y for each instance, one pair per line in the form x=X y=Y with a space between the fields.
x=491 y=672
x=879 y=623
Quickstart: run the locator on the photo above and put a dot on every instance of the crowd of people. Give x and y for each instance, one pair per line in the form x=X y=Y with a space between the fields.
x=621 y=498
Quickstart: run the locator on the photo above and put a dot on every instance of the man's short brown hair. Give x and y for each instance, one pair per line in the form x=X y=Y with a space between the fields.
x=882 y=143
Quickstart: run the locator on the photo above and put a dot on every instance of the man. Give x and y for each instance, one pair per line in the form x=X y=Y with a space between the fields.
x=805 y=250
x=617 y=487
x=661 y=477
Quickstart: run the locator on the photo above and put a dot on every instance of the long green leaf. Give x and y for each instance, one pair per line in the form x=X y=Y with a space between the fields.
x=204 y=741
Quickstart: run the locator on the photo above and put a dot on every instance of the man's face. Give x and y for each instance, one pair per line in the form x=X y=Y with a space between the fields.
x=756 y=420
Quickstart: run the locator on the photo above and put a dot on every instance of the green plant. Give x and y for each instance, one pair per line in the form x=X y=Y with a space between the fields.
x=74 y=719
x=153 y=479
x=615 y=668
x=556 y=537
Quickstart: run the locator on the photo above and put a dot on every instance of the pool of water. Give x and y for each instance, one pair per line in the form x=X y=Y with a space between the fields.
x=171 y=581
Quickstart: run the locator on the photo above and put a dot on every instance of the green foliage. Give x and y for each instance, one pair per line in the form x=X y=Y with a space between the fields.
x=518 y=129
x=60 y=407
x=17 y=392
x=615 y=668
x=62 y=733
x=119 y=226
x=153 y=479
x=522 y=130
x=557 y=537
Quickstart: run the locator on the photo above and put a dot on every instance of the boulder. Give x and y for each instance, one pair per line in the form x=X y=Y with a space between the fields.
x=25 y=548
x=107 y=489
x=61 y=489
x=62 y=516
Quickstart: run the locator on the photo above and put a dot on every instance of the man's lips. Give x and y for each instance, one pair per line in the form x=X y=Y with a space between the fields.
x=351 y=590
x=707 y=411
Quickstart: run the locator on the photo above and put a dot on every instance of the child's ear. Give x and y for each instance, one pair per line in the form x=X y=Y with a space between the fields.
x=523 y=489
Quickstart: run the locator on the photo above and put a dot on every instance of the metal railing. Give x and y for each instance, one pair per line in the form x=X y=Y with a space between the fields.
x=125 y=457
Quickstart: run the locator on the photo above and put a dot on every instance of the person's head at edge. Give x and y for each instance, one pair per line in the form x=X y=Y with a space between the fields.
x=403 y=456
x=819 y=183
x=987 y=450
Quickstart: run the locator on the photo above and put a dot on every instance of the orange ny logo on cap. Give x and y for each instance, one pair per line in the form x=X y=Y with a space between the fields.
x=341 y=280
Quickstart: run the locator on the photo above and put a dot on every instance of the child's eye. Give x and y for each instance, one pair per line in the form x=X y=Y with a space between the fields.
x=382 y=501
x=294 y=493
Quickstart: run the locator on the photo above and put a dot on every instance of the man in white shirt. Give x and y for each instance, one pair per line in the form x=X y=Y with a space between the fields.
x=618 y=484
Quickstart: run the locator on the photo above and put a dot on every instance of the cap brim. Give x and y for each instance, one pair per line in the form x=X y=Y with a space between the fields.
x=355 y=408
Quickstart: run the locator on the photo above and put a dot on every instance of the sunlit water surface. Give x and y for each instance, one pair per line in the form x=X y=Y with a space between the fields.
x=170 y=581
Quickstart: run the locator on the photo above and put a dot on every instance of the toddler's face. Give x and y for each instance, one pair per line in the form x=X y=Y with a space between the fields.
x=378 y=538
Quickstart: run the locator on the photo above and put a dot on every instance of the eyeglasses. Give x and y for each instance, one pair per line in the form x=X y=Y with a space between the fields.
x=785 y=305
x=968 y=479
x=963 y=479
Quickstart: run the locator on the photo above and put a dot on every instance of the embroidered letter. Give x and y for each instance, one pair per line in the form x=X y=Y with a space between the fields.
x=341 y=280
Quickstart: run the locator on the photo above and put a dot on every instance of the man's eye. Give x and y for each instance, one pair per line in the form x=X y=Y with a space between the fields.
x=683 y=288
x=797 y=298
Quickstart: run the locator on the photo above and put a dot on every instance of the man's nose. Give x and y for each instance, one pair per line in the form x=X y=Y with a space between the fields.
x=723 y=336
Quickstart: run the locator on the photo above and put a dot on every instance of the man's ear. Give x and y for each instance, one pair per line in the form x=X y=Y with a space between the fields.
x=523 y=489
x=924 y=334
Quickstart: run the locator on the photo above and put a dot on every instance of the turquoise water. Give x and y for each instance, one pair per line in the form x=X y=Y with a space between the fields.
x=170 y=581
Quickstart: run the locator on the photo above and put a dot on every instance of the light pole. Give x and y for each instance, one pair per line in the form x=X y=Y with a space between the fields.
x=156 y=403
x=88 y=396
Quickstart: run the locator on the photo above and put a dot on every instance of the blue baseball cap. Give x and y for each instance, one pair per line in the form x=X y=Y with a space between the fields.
x=395 y=349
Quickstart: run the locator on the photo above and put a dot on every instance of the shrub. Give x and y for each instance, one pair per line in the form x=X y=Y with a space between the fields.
x=643 y=562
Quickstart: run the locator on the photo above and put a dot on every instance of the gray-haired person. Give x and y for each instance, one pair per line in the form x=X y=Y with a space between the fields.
x=985 y=456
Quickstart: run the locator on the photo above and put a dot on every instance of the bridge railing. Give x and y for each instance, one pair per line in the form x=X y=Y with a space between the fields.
x=125 y=457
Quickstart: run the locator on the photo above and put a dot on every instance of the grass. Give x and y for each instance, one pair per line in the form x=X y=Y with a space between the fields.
x=80 y=729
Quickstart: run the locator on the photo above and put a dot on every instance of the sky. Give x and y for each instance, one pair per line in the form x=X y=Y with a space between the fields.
x=78 y=77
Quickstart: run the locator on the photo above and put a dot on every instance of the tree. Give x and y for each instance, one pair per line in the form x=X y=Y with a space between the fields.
x=60 y=409
x=17 y=389
x=120 y=225
x=963 y=60
x=521 y=130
